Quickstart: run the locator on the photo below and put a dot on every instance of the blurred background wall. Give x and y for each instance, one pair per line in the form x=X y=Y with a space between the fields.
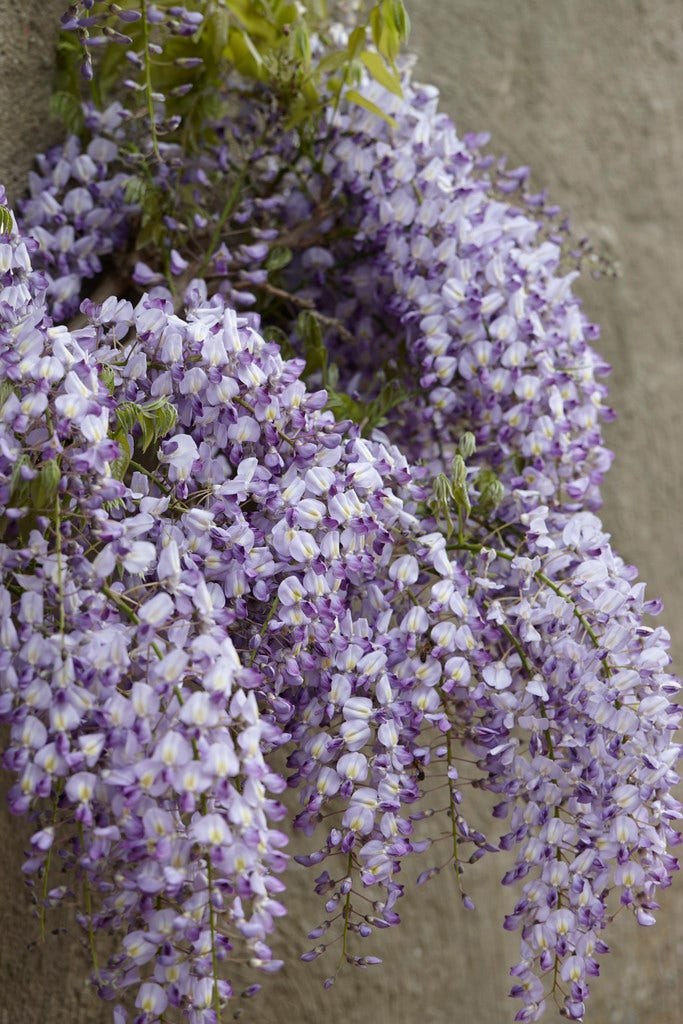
x=590 y=95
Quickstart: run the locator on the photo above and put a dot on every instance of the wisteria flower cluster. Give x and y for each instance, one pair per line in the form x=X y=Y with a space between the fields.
x=77 y=210
x=356 y=555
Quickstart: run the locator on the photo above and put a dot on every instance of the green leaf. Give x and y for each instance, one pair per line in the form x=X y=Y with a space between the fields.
x=301 y=45
x=278 y=258
x=287 y=14
x=390 y=26
x=120 y=466
x=252 y=48
x=381 y=73
x=247 y=14
x=68 y=108
x=400 y=19
x=356 y=43
x=6 y=387
x=19 y=487
x=6 y=221
x=355 y=97
x=108 y=378
x=45 y=485
x=309 y=330
x=332 y=61
x=344 y=407
x=155 y=419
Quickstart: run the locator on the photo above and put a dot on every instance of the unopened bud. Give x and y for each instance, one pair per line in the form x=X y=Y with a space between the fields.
x=467 y=445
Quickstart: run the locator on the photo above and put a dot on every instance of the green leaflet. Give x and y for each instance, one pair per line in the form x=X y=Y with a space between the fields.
x=309 y=330
x=155 y=419
x=390 y=27
x=278 y=258
x=120 y=466
x=381 y=73
x=68 y=108
x=45 y=486
x=6 y=222
x=355 y=97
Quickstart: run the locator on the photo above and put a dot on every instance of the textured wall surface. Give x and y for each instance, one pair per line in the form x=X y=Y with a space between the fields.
x=590 y=95
x=28 y=30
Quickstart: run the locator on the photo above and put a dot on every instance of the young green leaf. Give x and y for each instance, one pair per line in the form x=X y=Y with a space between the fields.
x=6 y=222
x=278 y=258
x=310 y=332
x=353 y=96
x=45 y=485
x=356 y=43
x=69 y=109
x=381 y=73
x=120 y=466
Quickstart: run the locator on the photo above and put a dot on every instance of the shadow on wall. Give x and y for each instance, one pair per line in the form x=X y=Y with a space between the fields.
x=589 y=95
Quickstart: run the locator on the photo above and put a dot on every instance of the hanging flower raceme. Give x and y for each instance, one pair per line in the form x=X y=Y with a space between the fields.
x=77 y=210
x=448 y=279
x=134 y=732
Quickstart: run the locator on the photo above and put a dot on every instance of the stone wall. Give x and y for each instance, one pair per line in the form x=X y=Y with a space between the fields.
x=589 y=94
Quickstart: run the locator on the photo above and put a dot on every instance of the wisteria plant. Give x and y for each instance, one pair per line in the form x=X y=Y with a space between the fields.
x=300 y=459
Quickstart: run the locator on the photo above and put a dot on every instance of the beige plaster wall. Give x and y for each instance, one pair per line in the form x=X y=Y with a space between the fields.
x=590 y=94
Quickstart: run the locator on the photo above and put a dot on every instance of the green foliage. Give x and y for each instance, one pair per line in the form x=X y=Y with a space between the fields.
x=20 y=486
x=338 y=69
x=310 y=332
x=353 y=96
x=269 y=41
x=154 y=418
x=6 y=222
x=390 y=27
x=119 y=468
x=368 y=415
x=45 y=485
x=491 y=492
x=178 y=89
x=65 y=103
x=279 y=257
x=380 y=72
x=68 y=109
